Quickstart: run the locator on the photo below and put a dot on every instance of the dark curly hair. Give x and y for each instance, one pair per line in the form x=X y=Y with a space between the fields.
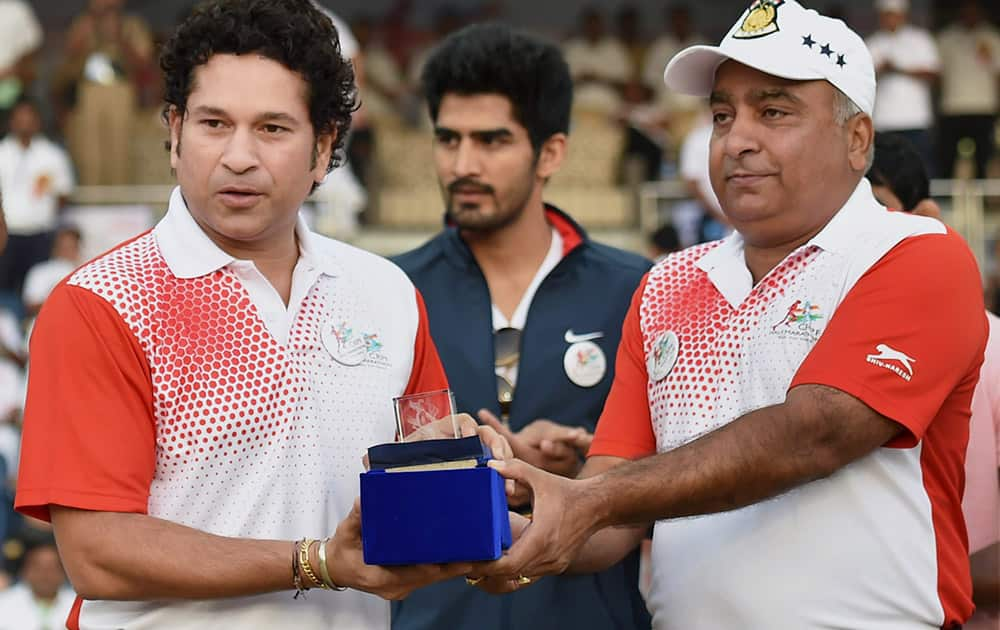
x=295 y=33
x=495 y=59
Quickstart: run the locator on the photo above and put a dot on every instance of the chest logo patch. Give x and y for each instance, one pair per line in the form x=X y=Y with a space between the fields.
x=585 y=363
x=801 y=321
x=351 y=348
x=662 y=356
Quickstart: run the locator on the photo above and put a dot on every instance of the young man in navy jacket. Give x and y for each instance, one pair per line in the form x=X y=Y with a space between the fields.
x=526 y=311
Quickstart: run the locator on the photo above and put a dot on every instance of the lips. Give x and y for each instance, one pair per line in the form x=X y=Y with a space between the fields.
x=239 y=196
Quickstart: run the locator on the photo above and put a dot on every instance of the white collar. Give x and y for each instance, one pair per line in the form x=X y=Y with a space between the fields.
x=190 y=253
x=726 y=264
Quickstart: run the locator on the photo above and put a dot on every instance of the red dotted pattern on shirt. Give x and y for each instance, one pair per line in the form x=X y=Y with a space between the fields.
x=708 y=385
x=220 y=391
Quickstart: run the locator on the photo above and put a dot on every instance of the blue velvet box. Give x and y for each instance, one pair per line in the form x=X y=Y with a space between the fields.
x=432 y=516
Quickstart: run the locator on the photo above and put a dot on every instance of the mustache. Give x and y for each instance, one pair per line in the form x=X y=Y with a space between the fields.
x=468 y=184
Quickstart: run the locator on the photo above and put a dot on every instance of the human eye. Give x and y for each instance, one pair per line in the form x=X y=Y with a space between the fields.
x=721 y=118
x=272 y=129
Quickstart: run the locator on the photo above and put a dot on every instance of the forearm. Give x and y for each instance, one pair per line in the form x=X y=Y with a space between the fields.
x=608 y=546
x=753 y=458
x=119 y=556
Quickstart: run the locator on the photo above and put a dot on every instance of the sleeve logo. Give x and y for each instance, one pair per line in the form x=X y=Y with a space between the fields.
x=893 y=360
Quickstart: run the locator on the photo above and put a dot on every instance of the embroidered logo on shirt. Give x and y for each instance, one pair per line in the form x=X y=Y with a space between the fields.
x=350 y=348
x=663 y=356
x=886 y=353
x=761 y=20
x=800 y=321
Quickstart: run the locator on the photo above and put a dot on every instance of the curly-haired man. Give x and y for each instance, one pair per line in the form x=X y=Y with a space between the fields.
x=200 y=396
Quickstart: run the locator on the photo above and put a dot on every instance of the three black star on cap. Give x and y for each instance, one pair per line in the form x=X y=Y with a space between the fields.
x=826 y=50
x=808 y=40
x=840 y=61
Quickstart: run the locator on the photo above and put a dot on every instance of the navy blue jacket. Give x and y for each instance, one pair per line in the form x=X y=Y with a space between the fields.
x=588 y=291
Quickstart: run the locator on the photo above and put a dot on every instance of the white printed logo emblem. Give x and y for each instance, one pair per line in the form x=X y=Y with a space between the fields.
x=893 y=360
x=662 y=356
x=585 y=363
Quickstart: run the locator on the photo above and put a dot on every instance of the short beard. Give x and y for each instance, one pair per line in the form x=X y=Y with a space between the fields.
x=506 y=214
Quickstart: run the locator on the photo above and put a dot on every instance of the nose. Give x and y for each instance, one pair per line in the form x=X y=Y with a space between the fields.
x=741 y=137
x=466 y=161
x=240 y=154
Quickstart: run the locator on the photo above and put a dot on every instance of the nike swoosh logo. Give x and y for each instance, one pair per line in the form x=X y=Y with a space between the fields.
x=571 y=338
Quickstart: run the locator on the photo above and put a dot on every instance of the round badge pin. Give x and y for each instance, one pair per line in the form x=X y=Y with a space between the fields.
x=585 y=363
x=663 y=356
x=343 y=345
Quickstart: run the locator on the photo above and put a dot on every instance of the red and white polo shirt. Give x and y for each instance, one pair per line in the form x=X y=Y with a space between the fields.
x=168 y=378
x=882 y=305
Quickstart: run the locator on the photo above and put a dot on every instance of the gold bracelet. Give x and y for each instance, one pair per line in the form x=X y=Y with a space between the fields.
x=304 y=547
x=323 y=571
x=296 y=577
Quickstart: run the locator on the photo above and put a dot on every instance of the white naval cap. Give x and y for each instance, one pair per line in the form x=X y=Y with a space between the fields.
x=784 y=39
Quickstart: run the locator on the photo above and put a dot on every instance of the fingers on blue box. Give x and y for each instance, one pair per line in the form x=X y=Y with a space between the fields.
x=432 y=501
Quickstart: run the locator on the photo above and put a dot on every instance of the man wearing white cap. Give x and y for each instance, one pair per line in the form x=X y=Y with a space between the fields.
x=797 y=395
x=907 y=64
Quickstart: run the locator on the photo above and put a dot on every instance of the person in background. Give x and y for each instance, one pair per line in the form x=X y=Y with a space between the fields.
x=530 y=339
x=701 y=219
x=36 y=178
x=41 y=599
x=663 y=241
x=43 y=277
x=970 y=87
x=107 y=53
x=907 y=64
x=900 y=181
x=599 y=64
x=20 y=38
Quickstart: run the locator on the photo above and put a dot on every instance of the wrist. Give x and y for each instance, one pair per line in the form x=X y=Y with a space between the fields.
x=595 y=503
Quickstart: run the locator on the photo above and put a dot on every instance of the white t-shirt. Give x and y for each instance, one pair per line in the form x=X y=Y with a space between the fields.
x=901 y=101
x=31 y=181
x=970 y=62
x=694 y=162
x=20 y=32
x=259 y=411
x=520 y=315
x=20 y=611
x=44 y=277
x=608 y=60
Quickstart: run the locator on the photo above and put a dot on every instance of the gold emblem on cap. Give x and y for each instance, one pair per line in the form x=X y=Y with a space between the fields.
x=761 y=19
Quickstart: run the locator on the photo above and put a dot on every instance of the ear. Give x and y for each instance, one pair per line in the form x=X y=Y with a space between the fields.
x=861 y=137
x=324 y=147
x=551 y=156
x=175 y=121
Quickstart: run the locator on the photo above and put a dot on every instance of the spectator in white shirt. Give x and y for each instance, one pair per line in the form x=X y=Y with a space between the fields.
x=35 y=180
x=599 y=64
x=41 y=600
x=907 y=64
x=970 y=62
x=44 y=276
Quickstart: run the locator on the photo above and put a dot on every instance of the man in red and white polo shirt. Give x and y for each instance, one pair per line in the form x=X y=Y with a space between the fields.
x=201 y=396
x=796 y=395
